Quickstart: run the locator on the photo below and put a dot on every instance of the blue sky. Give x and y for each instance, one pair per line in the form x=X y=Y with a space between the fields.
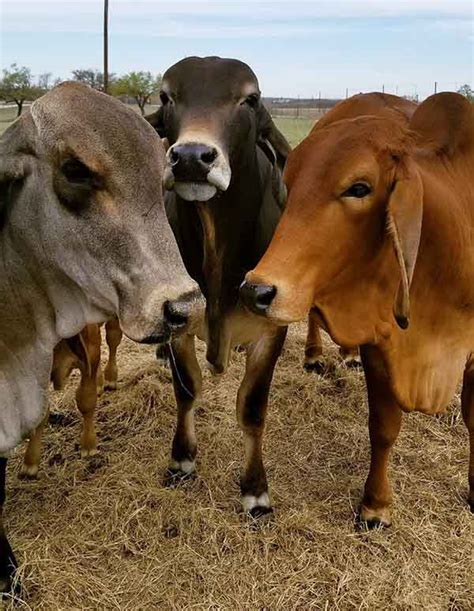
x=295 y=47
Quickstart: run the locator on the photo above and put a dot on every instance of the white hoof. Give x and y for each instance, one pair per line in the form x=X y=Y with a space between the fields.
x=184 y=466
x=353 y=362
x=87 y=453
x=29 y=472
x=250 y=502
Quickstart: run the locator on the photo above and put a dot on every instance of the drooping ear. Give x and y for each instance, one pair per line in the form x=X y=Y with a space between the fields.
x=404 y=218
x=156 y=120
x=267 y=130
x=15 y=163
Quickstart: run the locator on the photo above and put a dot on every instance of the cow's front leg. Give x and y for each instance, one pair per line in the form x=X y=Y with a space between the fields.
x=385 y=418
x=467 y=401
x=8 y=564
x=187 y=383
x=313 y=352
x=252 y=400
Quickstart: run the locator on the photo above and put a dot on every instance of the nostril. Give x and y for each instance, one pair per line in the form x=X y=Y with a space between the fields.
x=174 y=157
x=209 y=155
x=264 y=295
x=175 y=314
x=257 y=297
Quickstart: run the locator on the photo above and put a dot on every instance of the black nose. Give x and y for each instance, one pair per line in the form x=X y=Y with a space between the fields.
x=191 y=162
x=176 y=314
x=257 y=297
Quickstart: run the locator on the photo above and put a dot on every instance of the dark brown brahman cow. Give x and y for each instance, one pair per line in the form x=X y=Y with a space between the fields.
x=83 y=238
x=378 y=239
x=225 y=196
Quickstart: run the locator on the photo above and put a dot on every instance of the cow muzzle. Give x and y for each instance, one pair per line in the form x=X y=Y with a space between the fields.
x=180 y=315
x=196 y=171
x=257 y=297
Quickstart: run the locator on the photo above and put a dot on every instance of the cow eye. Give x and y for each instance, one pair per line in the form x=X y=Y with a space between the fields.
x=358 y=190
x=164 y=97
x=77 y=172
x=252 y=100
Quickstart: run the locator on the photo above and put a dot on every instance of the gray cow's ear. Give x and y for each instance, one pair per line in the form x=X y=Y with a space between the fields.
x=15 y=164
x=267 y=130
x=12 y=172
x=156 y=121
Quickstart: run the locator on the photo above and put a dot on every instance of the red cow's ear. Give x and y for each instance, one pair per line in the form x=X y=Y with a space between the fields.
x=404 y=218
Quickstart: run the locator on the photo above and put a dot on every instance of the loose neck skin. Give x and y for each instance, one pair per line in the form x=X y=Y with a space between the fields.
x=30 y=318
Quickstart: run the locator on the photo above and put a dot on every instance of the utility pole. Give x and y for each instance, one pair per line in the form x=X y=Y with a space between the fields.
x=436 y=87
x=106 y=46
x=347 y=92
x=383 y=88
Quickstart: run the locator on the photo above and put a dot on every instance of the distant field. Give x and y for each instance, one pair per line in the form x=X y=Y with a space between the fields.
x=294 y=129
x=7 y=115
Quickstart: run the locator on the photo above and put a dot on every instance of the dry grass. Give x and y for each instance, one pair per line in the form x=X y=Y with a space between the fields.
x=106 y=534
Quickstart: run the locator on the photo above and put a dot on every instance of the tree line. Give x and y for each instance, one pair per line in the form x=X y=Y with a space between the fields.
x=18 y=85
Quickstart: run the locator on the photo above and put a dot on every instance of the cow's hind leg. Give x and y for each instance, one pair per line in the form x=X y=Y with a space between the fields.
x=31 y=460
x=252 y=400
x=187 y=382
x=113 y=337
x=467 y=401
x=385 y=417
x=313 y=352
x=8 y=564
x=87 y=392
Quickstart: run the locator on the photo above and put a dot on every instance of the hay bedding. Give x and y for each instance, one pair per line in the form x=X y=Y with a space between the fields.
x=106 y=534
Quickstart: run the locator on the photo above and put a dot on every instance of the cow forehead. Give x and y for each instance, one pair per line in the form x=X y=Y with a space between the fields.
x=210 y=76
x=349 y=144
x=73 y=117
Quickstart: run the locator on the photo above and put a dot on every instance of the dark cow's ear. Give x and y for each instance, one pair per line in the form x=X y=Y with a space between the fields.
x=404 y=218
x=156 y=120
x=267 y=130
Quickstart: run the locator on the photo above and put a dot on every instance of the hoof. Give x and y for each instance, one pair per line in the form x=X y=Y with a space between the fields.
x=353 y=363
x=259 y=512
x=470 y=502
x=257 y=506
x=318 y=366
x=178 y=472
x=369 y=519
x=28 y=471
x=109 y=385
x=89 y=452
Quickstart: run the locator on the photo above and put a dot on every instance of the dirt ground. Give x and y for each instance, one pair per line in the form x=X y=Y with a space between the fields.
x=105 y=533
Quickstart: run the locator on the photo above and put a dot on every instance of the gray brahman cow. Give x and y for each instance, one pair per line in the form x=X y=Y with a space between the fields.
x=83 y=237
